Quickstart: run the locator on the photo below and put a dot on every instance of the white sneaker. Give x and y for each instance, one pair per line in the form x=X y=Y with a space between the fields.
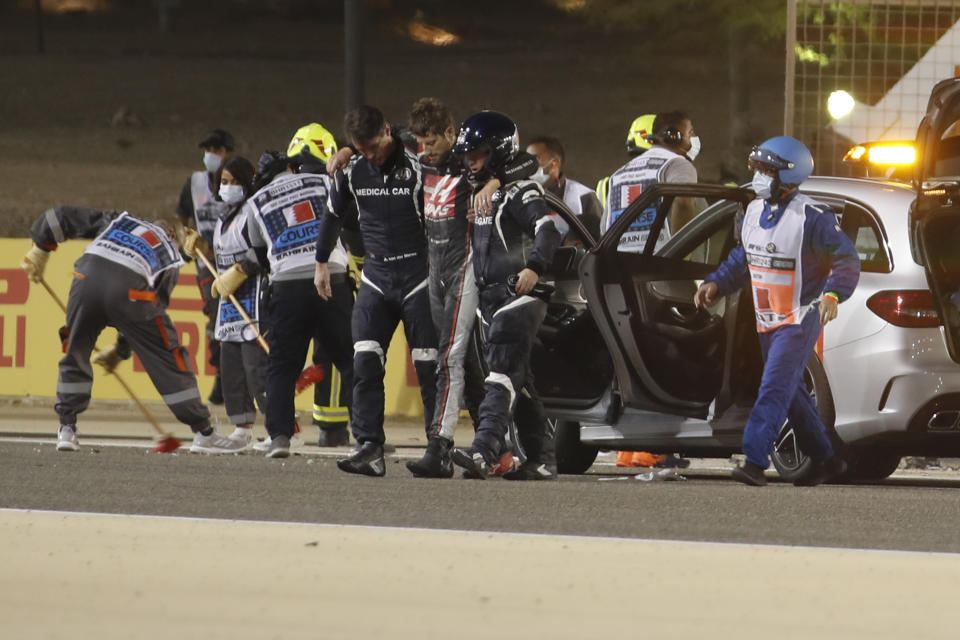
x=216 y=443
x=242 y=435
x=264 y=445
x=67 y=439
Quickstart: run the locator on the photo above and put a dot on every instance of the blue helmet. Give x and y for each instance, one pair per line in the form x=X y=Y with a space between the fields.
x=790 y=157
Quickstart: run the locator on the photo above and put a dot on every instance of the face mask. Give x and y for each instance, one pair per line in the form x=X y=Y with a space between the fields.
x=694 y=148
x=211 y=161
x=762 y=185
x=540 y=177
x=231 y=193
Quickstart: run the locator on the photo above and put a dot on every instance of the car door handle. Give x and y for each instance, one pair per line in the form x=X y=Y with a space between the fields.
x=677 y=313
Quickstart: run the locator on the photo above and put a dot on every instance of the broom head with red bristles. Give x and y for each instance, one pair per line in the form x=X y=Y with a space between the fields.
x=168 y=444
x=311 y=375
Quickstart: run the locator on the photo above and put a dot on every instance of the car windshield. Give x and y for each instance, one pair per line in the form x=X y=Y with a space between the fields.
x=947 y=158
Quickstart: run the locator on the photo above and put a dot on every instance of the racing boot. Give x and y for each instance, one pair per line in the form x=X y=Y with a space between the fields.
x=749 y=474
x=476 y=464
x=531 y=470
x=366 y=459
x=436 y=462
x=333 y=436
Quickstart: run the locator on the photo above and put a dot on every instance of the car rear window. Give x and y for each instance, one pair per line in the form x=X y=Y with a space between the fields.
x=862 y=227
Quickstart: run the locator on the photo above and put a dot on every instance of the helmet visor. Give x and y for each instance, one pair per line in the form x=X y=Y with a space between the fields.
x=763 y=156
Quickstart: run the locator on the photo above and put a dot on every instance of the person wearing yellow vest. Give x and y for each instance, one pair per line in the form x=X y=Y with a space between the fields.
x=800 y=266
x=640 y=129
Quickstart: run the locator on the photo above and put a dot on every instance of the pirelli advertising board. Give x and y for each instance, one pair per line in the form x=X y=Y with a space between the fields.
x=30 y=344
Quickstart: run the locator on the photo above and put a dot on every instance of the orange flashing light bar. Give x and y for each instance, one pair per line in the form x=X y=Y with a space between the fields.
x=887 y=154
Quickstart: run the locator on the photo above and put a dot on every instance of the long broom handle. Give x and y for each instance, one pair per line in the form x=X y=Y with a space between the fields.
x=250 y=323
x=123 y=383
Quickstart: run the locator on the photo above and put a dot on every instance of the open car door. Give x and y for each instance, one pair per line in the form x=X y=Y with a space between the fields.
x=668 y=355
x=935 y=214
x=570 y=360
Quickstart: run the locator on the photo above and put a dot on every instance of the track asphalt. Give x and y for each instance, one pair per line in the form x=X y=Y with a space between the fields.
x=241 y=546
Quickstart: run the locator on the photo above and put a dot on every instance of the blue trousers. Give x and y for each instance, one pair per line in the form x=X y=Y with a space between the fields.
x=782 y=394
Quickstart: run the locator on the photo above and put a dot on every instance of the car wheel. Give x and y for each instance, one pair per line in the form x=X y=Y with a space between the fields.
x=573 y=457
x=870 y=466
x=787 y=457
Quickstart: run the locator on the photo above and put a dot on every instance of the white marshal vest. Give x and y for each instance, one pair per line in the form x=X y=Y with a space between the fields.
x=626 y=185
x=140 y=246
x=202 y=195
x=573 y=193
x=288 y=212
x=230 y=247
x=773 y=257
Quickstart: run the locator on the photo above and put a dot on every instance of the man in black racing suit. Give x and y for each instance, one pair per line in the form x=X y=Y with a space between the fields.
x=384 y=190
x=512 y=301
x=448 y=215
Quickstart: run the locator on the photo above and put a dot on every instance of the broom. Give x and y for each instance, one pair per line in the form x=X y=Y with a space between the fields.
x=243 y=314
x=167 y=442
x=311 y=375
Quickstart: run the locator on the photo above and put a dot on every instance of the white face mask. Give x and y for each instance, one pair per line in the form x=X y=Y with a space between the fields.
x=540 y=177
x=762 y=185
x=231 y=193
x=212 y=161
x=694 y=148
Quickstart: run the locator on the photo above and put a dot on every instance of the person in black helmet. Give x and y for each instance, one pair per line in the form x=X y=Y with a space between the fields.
x=512 y=301
x=448 y=215
x=383 y=189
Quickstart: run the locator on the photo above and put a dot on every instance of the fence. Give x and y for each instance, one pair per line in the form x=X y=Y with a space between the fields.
x=886 y=54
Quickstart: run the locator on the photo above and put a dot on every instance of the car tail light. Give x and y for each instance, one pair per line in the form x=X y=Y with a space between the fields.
x=908 y=308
